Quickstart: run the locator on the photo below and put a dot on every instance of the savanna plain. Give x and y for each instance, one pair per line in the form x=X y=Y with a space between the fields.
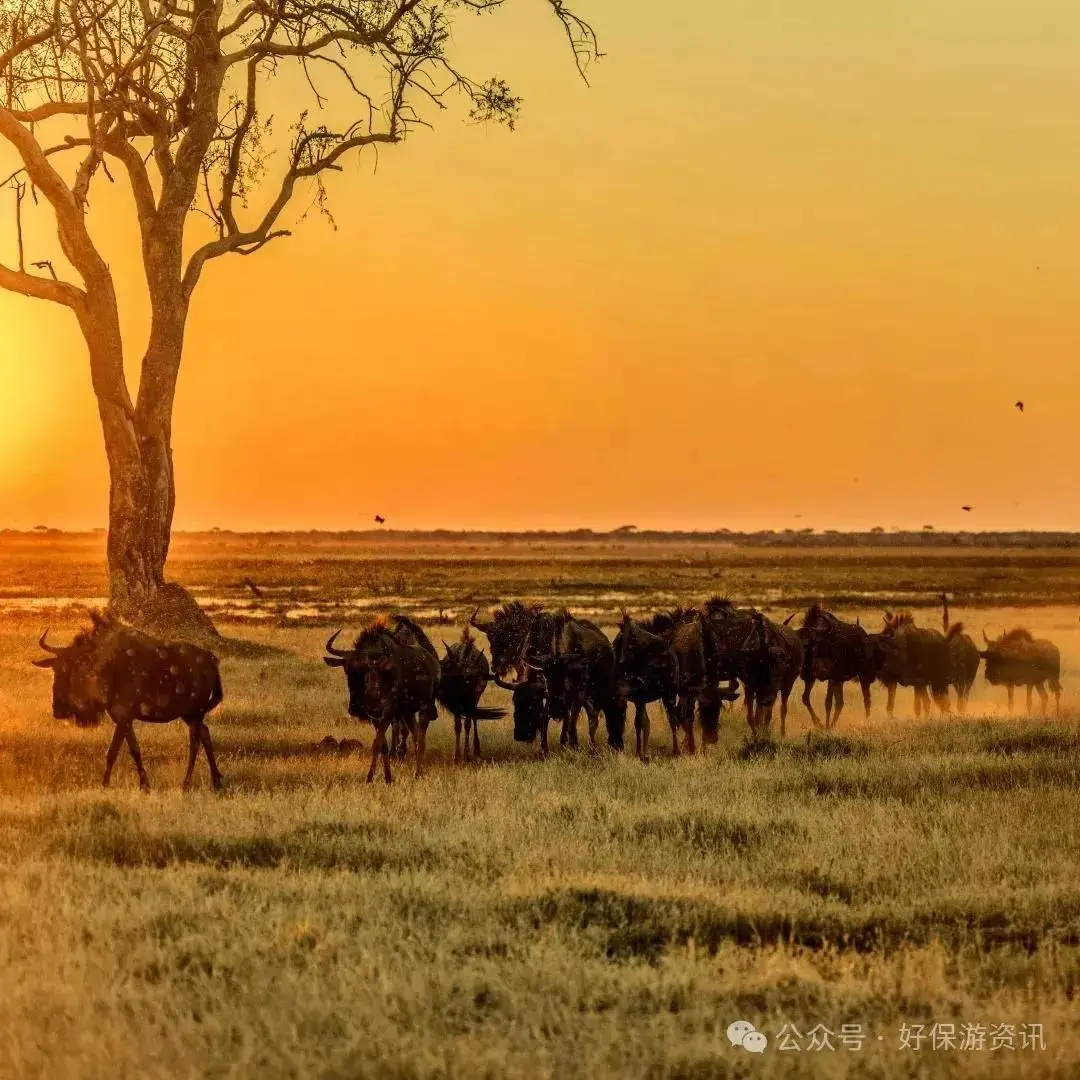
x=584 y=915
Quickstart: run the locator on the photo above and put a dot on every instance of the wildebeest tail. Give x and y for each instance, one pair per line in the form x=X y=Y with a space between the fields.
x=709 y=708
x=217 y=694
x=615 y=722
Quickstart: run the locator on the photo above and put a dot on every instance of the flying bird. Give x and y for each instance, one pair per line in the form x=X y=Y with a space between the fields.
x=1020 y=406
x=379 y=519
x=968 y=508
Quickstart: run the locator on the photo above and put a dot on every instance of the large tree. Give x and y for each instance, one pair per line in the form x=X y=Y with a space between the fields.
x=173 y=93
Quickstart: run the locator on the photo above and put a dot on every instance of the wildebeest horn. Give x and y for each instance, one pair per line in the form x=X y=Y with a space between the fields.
x=511 y=686
x=483 y=626
x=330 y=645
x=985 y=638
x=46 y=646
x=790 y=617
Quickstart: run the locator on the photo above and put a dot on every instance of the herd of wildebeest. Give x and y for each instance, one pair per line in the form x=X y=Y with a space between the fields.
x=556 y=665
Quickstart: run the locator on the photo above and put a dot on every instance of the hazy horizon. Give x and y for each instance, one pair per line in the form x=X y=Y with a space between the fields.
x=780 y=269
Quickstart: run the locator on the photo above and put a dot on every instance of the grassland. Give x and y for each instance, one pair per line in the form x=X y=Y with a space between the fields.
x=581 y=916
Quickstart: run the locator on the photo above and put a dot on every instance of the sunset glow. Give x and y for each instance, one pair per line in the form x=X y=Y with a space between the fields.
x=773 y=268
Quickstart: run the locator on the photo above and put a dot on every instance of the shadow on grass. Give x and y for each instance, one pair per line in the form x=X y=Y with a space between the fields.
x=104 y=833
x=933 y=779
x=628 y=927
x=709 y=833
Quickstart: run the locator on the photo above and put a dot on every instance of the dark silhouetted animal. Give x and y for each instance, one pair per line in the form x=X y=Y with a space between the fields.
x=393 y=679
x=118 y=670
x=465 y=675
x=914 y=656
x=1019 y=659
x=531 y=712
x=578 y=662
x=963 y=657
x=646 y=670
x=507 y=630
x=764 y=656
x=686 y=632
x=836 y=652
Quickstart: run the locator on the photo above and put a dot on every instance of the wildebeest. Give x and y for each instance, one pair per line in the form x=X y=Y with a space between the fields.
x=914 y=656
x=464 y=678
x=766 y=657
x=507 y=630
x=531 y=712
x=393 y=679
x=963 y=657
x=1017 y=658
x=646 y=670
x=688 y=635
x=118 y=670
x=836 y=652
x=578 y=663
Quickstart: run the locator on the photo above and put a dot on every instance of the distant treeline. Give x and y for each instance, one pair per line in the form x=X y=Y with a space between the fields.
x=877 y=538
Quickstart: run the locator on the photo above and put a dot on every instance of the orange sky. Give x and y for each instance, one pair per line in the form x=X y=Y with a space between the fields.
x=789 y=264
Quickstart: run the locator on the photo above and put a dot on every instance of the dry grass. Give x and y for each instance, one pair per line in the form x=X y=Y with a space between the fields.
x=584 y=916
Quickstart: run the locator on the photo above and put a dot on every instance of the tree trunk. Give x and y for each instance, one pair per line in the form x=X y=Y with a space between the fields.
x=142 y=493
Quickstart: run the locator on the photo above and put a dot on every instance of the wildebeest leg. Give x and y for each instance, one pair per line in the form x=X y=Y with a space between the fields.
x=136 y=754
x=457 y=740
x=114 y=749
x=686 y=707
x=918 y=702
x=475 y=737
x=420 y=728
x=785 y=693
x=571 y=722
x=544 y=737
x=866 y=697
x=1029 y=689
x=1010 y=690
x=671 y=711
x=838 y=704
x=1043 y=697
x=379 y=748
x=890 y=705
x=208 y=746
x=387 y=776
x=194 y=742
x=808 y=686
x=764 y=716
x=641 y=729
x=593 y=713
